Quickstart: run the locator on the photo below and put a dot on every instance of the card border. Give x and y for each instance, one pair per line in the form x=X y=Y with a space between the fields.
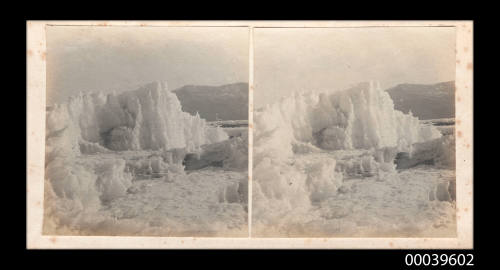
x=36 y=77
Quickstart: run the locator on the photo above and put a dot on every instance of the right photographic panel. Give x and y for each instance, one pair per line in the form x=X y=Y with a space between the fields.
x=354 y=132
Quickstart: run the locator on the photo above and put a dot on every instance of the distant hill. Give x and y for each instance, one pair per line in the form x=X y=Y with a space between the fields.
x=227 y=102
x=426 y=101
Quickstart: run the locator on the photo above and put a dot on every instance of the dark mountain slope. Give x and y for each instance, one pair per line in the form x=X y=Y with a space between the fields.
x=425 y=101
x=226 y=102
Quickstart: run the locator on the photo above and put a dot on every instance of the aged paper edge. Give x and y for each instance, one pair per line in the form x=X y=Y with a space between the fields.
x=36 y=56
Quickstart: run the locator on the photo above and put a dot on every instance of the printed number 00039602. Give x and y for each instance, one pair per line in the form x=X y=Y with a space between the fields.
x=439 y=259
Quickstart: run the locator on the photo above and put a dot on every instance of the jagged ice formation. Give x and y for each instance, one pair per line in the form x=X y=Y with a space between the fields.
x=358 y=128
x=97 y=143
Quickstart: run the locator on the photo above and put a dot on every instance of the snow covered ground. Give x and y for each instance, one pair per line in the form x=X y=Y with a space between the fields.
x=415 y=202
x=122 y=164
x=349 y=164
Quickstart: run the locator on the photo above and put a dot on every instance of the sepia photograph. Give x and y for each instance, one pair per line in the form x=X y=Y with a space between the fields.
x=146 y=131
x=354 y=132
x=249 y=134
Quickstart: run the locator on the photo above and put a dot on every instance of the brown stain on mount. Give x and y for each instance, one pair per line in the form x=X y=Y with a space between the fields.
x=469 y=66
x=30 y=53
x=43 y=55
x=459 y=134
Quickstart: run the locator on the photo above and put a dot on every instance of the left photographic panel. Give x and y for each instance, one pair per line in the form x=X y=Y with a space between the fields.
x=146 y=131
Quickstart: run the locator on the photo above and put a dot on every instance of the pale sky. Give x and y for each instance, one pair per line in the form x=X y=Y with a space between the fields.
x=331 y=59
x=83 y=58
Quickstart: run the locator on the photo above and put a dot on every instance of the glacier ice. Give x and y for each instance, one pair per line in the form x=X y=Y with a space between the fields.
x=147 y=118
x=362 y=117
x=307 y=145
x=99 y=145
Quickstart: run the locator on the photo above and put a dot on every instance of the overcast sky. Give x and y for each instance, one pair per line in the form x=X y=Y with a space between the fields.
x=82 y=58
x=330 y=59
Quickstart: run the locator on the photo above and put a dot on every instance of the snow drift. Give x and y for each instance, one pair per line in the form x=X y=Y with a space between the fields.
x=358 y=131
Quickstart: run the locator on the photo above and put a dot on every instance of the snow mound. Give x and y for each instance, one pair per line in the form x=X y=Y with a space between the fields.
x=87 y=183
x=439 y=152
x=290 y=175
x=231 y=155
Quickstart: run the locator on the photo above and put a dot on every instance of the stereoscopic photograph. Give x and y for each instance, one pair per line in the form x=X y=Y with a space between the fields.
x=354 y=132
x=249 y=134
x=146 y=131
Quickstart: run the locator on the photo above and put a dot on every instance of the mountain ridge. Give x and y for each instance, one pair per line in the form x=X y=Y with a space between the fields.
x=223 y=102
x=426 y=101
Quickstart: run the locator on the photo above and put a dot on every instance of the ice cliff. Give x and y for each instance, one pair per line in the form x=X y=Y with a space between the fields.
x=362 y=117
x=358 y=131
x=148 y=118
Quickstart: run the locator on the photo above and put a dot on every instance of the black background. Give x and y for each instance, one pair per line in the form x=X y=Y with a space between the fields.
x=484 y=174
